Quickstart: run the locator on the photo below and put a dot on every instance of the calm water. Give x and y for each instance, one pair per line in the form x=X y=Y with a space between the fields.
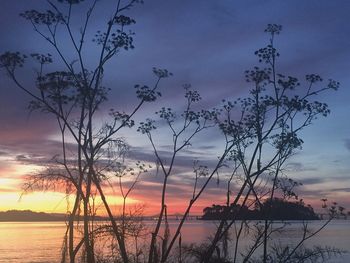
x=41 y=242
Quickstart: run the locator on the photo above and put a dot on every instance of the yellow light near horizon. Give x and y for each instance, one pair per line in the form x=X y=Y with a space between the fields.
x=37 y=201
x=7 y=182
x=11 y=179
x=51 y=202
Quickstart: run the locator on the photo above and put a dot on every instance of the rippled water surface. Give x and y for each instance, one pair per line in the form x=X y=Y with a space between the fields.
x=41 y=242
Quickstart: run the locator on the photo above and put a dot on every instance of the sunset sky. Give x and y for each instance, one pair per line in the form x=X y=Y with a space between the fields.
x=208 y=44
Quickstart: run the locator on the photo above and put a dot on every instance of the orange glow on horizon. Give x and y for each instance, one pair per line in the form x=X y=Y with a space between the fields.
x=13 y=174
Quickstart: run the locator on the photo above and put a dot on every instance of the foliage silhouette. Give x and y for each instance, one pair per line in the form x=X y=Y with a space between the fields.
x=91 y=153
x=260 y=133
x=280 y=210
x=264 y=129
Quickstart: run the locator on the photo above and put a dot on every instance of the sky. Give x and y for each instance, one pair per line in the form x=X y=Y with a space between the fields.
x=208 y=44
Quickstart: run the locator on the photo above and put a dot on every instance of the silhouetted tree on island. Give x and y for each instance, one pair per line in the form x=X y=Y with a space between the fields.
x=260 y=133
x=276 y=209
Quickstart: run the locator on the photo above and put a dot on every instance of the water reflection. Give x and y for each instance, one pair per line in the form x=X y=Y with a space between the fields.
x=41 y=242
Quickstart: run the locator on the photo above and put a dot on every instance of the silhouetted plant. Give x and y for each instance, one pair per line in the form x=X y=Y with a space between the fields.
x=264 y=129
x=260 y=133
x=73 y=96
x=183 y=127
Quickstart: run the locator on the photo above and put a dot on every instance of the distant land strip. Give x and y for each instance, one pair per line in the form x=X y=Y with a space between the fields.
x=31 y=216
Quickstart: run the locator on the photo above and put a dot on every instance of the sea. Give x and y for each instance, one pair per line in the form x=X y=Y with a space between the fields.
x=41 y=242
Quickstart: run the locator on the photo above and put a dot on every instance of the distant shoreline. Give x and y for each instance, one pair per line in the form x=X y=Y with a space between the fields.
x=31 y=216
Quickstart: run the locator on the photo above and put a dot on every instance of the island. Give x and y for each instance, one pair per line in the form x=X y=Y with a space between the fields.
x=271 y=209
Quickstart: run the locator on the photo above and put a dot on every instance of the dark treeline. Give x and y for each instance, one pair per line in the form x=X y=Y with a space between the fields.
x=31 y=216
x=28 y=215
x=281 y=210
